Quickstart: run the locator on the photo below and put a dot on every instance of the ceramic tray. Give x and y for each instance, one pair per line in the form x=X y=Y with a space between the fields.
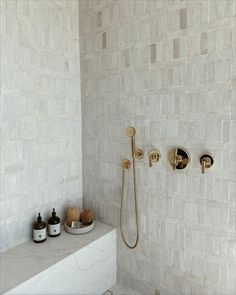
x=79 y=231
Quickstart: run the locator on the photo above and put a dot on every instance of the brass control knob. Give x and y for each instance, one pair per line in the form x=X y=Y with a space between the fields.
x=206 y=162
x=179 y=158
x=138 y=153
x=154 y=156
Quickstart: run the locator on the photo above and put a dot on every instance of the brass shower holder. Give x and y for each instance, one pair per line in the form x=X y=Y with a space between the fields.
x=206 y=162
x=154 y=156
x=125 y=163
x=179 y=158
x=137 y=153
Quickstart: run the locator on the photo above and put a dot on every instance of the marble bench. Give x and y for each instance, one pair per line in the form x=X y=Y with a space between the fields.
x=68 y=264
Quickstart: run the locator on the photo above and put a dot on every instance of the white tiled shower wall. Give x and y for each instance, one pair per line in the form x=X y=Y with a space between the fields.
x=169 y=69
x=40 y=113
x=166 y=67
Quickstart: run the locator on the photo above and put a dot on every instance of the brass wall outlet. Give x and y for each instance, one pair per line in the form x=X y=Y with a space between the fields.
x=125 y=163
x=206 y=162
x=154 y=156
x=138 y=154
x=179 y=158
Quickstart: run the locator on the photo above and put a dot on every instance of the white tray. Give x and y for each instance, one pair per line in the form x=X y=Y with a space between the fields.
x=79 y=231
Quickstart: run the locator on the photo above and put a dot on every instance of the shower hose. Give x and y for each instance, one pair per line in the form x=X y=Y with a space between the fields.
x=135 y=205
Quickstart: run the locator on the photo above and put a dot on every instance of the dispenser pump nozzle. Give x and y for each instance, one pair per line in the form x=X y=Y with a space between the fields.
x=39 y=218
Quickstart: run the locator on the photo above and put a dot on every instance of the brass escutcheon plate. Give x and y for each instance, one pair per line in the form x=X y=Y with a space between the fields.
x=206 y=162
x=154 y=156
x=179 y=158
x=139 y=154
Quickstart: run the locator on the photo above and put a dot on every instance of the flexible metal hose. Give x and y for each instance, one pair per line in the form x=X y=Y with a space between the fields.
x=135 y=205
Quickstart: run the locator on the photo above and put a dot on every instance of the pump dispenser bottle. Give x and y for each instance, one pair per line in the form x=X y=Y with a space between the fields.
x=54 y=225
x=39 y=230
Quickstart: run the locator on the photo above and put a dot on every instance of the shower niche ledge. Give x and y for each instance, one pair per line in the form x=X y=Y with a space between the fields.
x=68 y=264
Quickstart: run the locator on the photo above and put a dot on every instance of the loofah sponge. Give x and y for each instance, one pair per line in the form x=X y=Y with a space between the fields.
x=86 y=217
x=73 y=214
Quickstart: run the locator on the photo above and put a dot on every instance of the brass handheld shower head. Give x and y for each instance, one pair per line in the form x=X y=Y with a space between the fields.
x=137 y=153
x=130 y=131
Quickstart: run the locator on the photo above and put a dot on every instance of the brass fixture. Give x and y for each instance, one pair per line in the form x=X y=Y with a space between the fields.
x=179 y=158
x=206 y=162
x=130 y=131
x=154 y=156
x=125 y=163
x=136 y=153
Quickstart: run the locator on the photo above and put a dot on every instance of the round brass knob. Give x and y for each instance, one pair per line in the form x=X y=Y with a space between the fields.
x=179 y=158
x=206 y=161
x=139 y=154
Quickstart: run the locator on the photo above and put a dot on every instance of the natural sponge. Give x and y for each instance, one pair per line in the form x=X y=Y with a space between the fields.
x=86 y=217
x=73 y=214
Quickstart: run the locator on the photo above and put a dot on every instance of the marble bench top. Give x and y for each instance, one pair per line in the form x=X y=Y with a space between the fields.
x=22 y=262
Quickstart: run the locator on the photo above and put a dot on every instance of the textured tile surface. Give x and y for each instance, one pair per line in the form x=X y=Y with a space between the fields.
x=120 y=290
x=168 y=68
x=40 y=114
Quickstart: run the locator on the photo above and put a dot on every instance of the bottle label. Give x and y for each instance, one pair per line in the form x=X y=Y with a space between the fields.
x=39 y=234
x=54 y=229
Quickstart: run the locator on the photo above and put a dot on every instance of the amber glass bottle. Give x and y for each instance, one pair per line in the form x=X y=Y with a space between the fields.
x=39 y=230
x=54 y=225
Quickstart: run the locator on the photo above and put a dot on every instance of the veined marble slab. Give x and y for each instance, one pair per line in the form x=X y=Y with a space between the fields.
x=68 y=264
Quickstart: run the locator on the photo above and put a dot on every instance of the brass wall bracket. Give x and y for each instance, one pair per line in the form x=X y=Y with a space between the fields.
x=206 y=162
x=179 y=158
x=154 y=156
x=125 y=163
